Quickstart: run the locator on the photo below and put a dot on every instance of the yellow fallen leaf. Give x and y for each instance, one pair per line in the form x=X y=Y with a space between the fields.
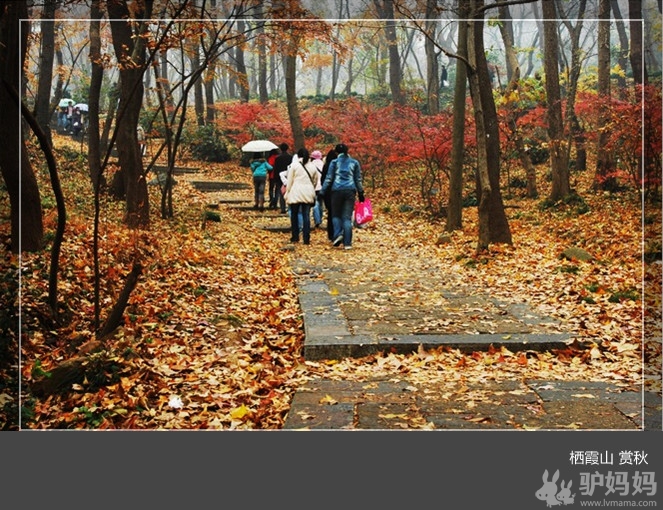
x=239 y=412
x=391 y=416
x=333 y=291
x=327 y=399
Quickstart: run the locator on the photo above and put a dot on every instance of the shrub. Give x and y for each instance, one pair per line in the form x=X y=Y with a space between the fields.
x=207 y=144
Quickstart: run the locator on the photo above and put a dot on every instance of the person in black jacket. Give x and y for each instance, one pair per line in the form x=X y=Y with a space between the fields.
x=344 y=183
x=281 y=165
x=331 y=155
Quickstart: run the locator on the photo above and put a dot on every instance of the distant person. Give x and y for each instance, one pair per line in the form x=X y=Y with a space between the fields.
x=70 y=114
x=140 y=134
x=62 y=118
x=273 y=180
x=76 y=122
x=344 y=181
x=281 y=164
x=319 y=206
x=259 y=169
x=300 y=195
x=326 y=197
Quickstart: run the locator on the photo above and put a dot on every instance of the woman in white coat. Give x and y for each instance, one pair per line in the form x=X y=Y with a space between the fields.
x=300 y=195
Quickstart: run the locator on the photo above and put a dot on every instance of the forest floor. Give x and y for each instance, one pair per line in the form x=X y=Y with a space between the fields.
x=213 y=336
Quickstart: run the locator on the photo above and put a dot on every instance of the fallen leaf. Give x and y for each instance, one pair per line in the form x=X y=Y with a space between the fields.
x=391 y=416
x=327 y=399
x=239 y=412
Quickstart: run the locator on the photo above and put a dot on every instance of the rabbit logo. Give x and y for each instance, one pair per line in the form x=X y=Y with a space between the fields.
x=564 y=495
x=548 y=492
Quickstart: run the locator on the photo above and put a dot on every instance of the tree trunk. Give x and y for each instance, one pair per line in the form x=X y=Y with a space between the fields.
x=558 y=154
x=43 y=110
x=513 y=75
x=27 y=228
x=165 y=83
x=635 y=25
x=622 y=58
x=385 y=10
x=241 y=65
x=263 y=95
x=432 y=72
x=455 y=209
x=210 y=109
x=127 y=46
x=493 y=224
x=94 y=147
x=335 y=61
x=290 y=61
x=351 y=77
x=198 y=103
x=573 y=127
x=59 y=82
x=113 y=98
x=605 y=163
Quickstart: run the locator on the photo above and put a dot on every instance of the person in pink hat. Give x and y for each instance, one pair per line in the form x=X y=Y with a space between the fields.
x=319 y=206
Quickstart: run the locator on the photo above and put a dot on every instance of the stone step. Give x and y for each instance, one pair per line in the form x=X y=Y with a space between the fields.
x=276 y=228
x=178 y=170
x=384 y=404
x=328 y=335
x=233 y=201
x=219 y=185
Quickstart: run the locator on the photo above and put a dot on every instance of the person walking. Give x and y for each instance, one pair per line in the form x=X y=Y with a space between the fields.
x=326 y=198
x=273 y=180
x=70 y=113
x=344 y=181
x=76 y=122
x=281 y=164
x=259 y=168
x=300 y=195
x=319 y=206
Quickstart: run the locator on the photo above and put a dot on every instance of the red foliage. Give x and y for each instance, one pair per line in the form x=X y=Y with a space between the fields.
x=243 y=122
x=380 y=137
x=629 y=139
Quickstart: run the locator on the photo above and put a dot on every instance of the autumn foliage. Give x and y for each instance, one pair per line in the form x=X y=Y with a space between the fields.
x=212 y=335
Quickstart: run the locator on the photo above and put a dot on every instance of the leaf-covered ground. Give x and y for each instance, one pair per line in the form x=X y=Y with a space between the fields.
x=213 y=335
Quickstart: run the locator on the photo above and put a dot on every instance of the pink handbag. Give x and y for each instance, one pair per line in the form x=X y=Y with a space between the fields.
x=363 y=211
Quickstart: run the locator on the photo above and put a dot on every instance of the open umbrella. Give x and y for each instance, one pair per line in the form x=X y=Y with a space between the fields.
x=259 y=146
x=64 y=103
x=82 y=107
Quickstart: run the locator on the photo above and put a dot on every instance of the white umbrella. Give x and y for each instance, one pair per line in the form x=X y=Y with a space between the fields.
x=82 y=107
x=64 y=103
x=259 y=146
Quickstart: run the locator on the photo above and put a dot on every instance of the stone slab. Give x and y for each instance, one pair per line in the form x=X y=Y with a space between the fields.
x=219 y=185
x=581 y=414
x=551 y=391
x=233 y=201
x=178 y=170
x=321 y=417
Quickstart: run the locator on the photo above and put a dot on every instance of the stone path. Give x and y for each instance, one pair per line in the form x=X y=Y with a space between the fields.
x=353 y=310
x=540 y=405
